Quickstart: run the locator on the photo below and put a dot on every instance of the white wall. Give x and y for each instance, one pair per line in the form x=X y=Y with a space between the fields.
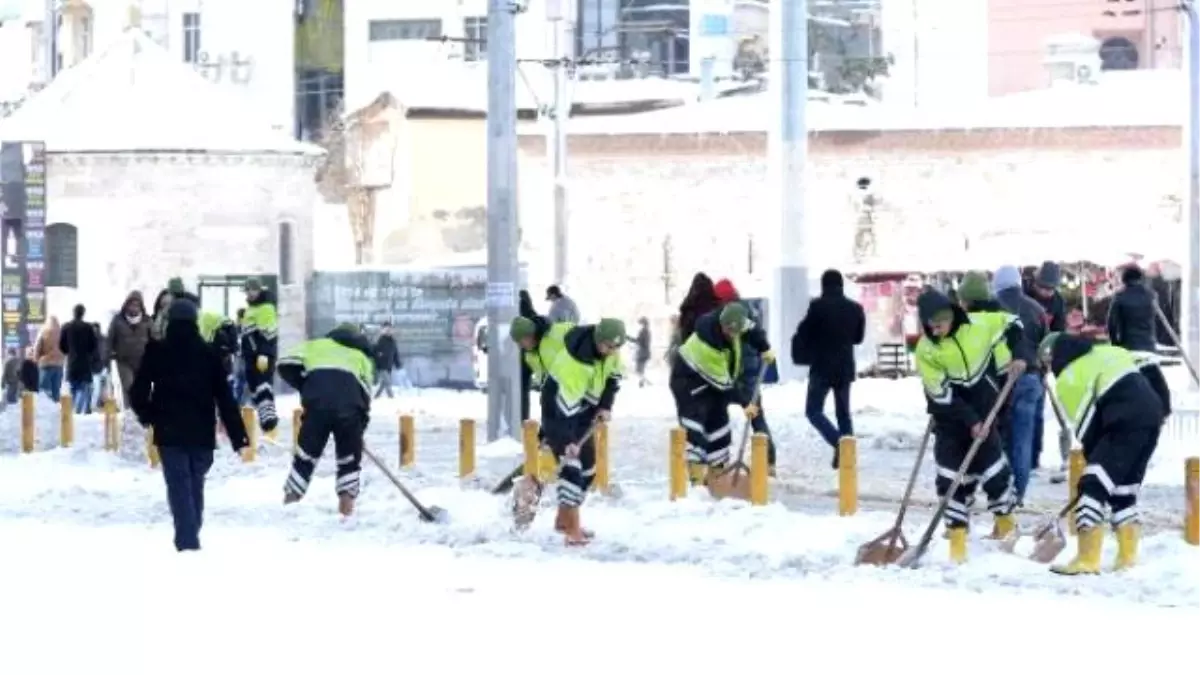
x=363 y=56
x=262 y=30
x=940 y=49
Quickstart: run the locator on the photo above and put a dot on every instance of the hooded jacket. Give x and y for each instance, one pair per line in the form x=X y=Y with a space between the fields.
x=711 y=338
x=1132 y=318
x=1049 y=275
x=826 y=337
x=1103 y=389
x=128 y=336
x=1010 y=296
x=961 y=370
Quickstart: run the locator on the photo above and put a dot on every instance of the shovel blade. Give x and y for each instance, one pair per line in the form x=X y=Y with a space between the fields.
x=729 y=485
x=883 y=550
x=1047 y=546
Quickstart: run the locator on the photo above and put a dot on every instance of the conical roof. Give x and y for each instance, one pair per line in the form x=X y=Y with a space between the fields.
x=135 y=96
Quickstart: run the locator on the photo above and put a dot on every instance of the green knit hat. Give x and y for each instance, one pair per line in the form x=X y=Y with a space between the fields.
x=175 y=286
x=734 y=317
x=252 y=284
x=610 y=331
x=974 y=288
x=521 y=327
x=1047 y=345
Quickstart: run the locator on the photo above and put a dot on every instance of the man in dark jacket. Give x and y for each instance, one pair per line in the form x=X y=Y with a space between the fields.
x=1131 y=316
x=387 y=359
x=78 y=341
x=179 y=391
x=825 y=341
x=1045 y=291
x=1023 y=433
x=333 y=375
x=1016 y=425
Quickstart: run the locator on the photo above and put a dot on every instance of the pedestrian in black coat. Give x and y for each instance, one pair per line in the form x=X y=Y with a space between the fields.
x=79 y=342
x=825 y=341
x=642 y=346
x=386 y=355
x=179 y=391
x=526 y=309
x=1131 y=315
x=1045 y=291
x=701 y=299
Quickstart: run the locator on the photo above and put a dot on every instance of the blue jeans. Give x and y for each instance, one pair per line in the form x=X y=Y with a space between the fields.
x=814 y=409
x=1027 y=406
x=184 y=471
x=52 y=381
x=81 y=396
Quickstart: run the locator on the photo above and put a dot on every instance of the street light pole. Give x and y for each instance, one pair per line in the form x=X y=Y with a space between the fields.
x=1191 y=289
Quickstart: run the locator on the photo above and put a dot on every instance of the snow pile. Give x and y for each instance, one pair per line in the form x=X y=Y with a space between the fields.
x=46 y=419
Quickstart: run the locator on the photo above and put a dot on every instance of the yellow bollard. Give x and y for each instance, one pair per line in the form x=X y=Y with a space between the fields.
x=1075 y=466
x=601 y=444
x=250 y=421
x=759 y=469
x=66 y=421
x=27 y=421
x=466 y=448
x=151 y=449
x=677 y=464
x=529 y=444
x=112 y=429
x=847 y=476
x=297 y=421
x=1191 y=523
x=408 y=442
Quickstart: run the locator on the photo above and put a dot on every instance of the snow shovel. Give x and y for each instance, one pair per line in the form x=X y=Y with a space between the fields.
x=912 y=557
x=1049 y=540
x=727 y=482
x=429 y=514
x=527 y=491
x=889 y=546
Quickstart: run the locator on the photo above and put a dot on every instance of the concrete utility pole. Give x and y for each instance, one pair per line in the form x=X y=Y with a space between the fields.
x=787 y=151
x=503 y=268
x=49 y=41
x=1191 y=289
x=559 y=14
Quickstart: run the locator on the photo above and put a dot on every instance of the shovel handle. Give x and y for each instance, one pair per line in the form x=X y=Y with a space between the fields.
x=754 y=394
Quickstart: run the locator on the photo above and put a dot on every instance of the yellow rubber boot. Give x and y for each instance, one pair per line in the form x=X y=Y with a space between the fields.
x=697 y=473
x=1127 y=545
x=547 y=467
x=1087 y=561
x=958 y=544
x=1003 y=527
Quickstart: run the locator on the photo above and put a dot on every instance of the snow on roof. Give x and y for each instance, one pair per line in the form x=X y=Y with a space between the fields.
x=135 y=96
x=454 y=85
x=1135 y=98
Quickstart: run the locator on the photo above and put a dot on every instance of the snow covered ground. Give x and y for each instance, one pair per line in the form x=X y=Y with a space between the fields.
x=85 y=555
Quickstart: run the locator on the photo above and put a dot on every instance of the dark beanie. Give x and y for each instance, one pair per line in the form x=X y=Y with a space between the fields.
x=183 y=310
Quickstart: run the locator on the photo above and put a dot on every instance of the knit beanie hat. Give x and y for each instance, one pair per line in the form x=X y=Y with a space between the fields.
x=183 y=310
x=734 y=316
x=1006 y=276
x=725 y=291
x=974 y=288
x=175 y=286
x=521 y=327
x=610 y=331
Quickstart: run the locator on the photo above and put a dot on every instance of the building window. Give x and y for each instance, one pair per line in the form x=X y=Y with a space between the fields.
x=1118 y=53
x=475 y=32
x=285 y=254
x=191 y=37
x=404 y=29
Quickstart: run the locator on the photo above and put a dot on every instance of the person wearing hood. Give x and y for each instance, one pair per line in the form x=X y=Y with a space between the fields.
x=179 y=391
x=726 y=293
x=540 y=343
x=1045 y=291
x=260 y=349
x=334 y=375
x=581 y=379
x=1027 y=421
x=128 y=335
x=1016 y=423
x=704 y=382
x=960 y=358
x=824 y=341
x=526 y=309
x=1118 y=416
